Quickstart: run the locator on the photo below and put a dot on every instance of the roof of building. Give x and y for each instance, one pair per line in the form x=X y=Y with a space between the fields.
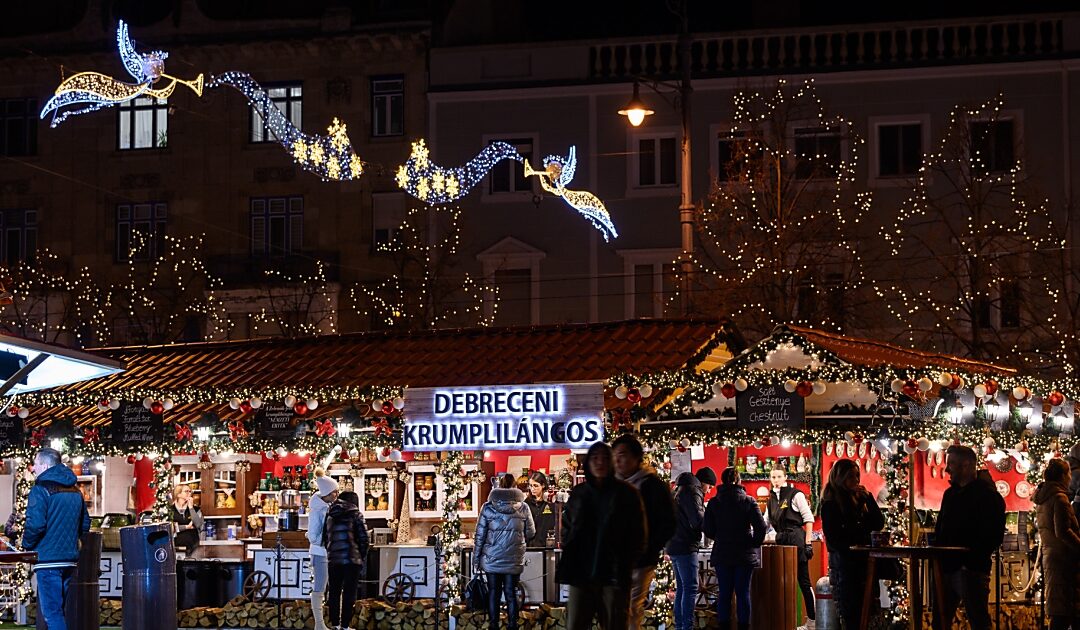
x=870 y=352
x=440 y=358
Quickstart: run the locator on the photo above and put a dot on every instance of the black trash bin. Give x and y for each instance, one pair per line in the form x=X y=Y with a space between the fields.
x=149 y=592
x=81 y=608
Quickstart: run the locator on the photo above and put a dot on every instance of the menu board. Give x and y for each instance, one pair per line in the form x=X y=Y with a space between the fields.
x=133 y=424
x=11 y=430
x=768 y=406
x=275 y=421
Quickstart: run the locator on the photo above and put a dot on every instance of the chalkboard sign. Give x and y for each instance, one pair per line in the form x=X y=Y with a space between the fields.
x=135 y=425
x=275 y=421
x=769 y=406
x=11 y=430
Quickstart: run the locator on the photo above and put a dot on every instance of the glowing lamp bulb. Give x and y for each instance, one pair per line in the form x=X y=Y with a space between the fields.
x=636 y=111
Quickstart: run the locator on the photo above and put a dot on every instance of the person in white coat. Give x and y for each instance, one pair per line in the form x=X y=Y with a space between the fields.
x=317 y=508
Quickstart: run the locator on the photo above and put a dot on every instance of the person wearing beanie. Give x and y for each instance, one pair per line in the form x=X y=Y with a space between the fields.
x=690 y=491
x=791 y=518
x=317 y=509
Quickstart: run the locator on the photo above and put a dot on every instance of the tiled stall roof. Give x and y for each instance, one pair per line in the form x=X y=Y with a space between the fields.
x=447 y=358
x=870 y=352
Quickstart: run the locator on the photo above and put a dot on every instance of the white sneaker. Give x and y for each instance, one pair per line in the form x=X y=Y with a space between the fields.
x=809 y=625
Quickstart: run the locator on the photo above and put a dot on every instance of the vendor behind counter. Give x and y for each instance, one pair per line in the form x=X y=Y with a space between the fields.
x=543 y=512
x=187 y=519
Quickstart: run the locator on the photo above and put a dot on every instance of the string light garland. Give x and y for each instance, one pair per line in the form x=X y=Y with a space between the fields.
x=423 y=293
x=557 y=174
x=95 y=91
x=434 y=184
x=329 y=156
x=54 y=305
x=781 y=219
x=312 y=296
x=455 y=478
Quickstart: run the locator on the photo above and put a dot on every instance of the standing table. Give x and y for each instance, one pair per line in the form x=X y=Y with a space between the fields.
x=917 y=557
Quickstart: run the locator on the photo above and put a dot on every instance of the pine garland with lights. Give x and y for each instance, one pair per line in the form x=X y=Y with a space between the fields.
x=19 y=578
x=163 y=487
x=454 y=477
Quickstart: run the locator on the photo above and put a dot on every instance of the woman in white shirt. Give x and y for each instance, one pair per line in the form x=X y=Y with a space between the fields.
x=317 y=508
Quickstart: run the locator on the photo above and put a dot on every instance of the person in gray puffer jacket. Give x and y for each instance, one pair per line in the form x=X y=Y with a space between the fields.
x=504 y=525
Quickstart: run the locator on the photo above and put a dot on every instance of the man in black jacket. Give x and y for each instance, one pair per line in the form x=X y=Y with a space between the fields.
x=659 y=514
x=973 y=516
x=690 y=491
x=603 y=534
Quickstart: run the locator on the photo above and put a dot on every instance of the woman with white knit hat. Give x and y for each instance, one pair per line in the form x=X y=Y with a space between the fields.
x=317 y=508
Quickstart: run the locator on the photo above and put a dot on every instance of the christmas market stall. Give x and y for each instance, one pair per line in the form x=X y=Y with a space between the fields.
x=802 y=399
x=416 y=423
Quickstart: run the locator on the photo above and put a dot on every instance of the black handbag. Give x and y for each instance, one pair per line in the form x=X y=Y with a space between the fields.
x=476 y=593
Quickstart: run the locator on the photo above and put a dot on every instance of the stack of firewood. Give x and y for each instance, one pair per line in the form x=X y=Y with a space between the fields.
x=199 y=617
x=240 y=613
x=372 y=614
x=111 y=612
x=530 y=619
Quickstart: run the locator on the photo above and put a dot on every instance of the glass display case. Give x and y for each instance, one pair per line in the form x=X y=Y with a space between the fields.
x=377 y=490
x=427 y=491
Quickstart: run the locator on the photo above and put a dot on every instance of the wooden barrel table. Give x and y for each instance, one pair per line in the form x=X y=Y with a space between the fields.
x=774 y=601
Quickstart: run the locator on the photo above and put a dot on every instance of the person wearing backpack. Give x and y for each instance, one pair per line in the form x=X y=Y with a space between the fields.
x=346 y=543
x=56 y=518
x=504 y=526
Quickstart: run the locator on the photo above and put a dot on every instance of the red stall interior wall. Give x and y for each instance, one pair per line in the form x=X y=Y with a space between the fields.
x=144 y=476
x=931 y=482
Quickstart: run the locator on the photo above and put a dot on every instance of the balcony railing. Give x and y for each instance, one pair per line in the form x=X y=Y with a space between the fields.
x=865 y=47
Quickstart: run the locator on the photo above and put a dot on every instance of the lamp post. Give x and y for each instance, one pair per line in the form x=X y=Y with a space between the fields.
x=636 y=111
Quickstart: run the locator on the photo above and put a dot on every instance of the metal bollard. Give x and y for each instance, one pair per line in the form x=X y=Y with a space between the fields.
x=828 y=614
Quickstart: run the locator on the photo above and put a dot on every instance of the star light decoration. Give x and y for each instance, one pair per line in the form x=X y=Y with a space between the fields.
x=94 y=90
x=781 y=218
x=331 y=156
x=557 y=174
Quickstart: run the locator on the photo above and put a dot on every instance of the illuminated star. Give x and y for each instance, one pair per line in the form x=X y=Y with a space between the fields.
x=317 y=153
x=452 y=187
x=420 y=154
x=402 y=176
x=422 y=188
x=299 y=151
x=356 y=166
x=438 y=181
x=338 y=138
x=333 y=169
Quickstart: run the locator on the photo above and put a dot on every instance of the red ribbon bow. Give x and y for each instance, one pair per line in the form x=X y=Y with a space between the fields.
x=183 y=432
x=37 y=438
x=90 y=436
x=620 y=419
x=237 y=430
x=324 y=428
x=381 y=426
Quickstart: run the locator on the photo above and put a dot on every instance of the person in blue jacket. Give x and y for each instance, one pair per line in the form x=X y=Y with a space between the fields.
x=735 y=524
x=56 y=518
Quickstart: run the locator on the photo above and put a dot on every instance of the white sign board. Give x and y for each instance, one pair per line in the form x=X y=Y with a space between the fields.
x=512 y=417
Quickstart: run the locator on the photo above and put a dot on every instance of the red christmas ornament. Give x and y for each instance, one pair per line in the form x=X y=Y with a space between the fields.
x=1055 y=398
x=910 y=389
x=131 y=459
x=728 y=390
x=857 y=438
x=804 y=388
x=682 y=449
x=387 y=407
x=991 y=386
x=633 y=395
x=300 y=409
x=957 y=382
x=157 y=408
x=912 y=443
x=13 y=411
x=245 y=407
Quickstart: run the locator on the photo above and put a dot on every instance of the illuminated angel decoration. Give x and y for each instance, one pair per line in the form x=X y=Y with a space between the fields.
x=435 y=184
x=557 y=174
x=93 y=90
x=330 y=156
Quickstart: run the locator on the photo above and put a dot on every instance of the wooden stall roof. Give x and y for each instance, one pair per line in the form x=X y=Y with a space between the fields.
x=873 y=353
x=440 y=358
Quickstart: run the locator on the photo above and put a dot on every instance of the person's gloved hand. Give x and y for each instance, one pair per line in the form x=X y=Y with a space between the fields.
x=809 y=551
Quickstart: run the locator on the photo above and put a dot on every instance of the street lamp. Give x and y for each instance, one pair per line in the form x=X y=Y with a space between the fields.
x=636 y=110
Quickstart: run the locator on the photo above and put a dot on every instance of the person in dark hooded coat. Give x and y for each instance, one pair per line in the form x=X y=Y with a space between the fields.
x=603 y=537
x=735 y=524
x=346 y=543
x=690 y=491
x=1060 y=537
x=504 y=526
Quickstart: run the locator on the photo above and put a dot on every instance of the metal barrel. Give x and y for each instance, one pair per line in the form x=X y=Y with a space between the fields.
x=149 y=592
x=82 y=605
x=828 y=614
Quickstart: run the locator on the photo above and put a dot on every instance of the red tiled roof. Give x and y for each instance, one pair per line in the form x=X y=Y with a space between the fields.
x=462 y=357
x=874 y=353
